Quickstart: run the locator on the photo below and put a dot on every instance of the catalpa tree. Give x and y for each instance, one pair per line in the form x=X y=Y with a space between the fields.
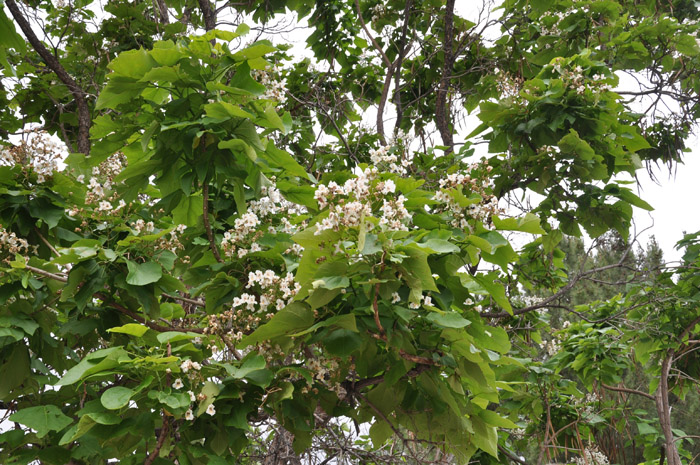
x=228 y=265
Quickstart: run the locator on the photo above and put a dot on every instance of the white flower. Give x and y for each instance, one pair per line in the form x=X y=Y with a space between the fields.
x=178 y=384
x=192 y=396
x=211 y=410
x=395 y=297
x=189 y=415
x=389 y=187
x=104 y=206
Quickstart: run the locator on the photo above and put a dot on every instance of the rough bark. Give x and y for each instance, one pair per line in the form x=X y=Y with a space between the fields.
x=208 y=15
x=84 y=118
x=663 y=409
x=442 y=105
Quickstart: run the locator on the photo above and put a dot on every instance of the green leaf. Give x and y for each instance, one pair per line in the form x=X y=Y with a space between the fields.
x=132 y=329
x=331 y=282
x=346 y=321
x=95 y=362
x=116 y=397
x=132 y=63
x=254 y=51
x=646 y=428
x=342 y=342
x=448 y=320
x=142 y=274
x=43 y=419
x=485 y=437
x=380 y=432
x=494 y=419
x=572 y=143
x=9 y=36
x=225 y=110
x=530 y=223
x=292 y=318
x=281 y=159
x=189 y=210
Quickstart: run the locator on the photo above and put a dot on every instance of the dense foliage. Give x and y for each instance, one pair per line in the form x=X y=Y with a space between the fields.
x=226 y=263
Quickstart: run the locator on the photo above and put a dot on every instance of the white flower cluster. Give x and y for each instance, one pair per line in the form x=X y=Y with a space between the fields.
x=275 y=289
x=39 y=152
x=425 y=300
x=192 y=370
x=528 y=300
x=378 y=11
x=172 y=242
x=350 y=203
x=552 y=347
x=189 y=366
x=591 y=456
x=140 y=226
x=589 y=402
x=11 y=243
x=482 y=210
x=383 y=157
x=245 y=230
x=508 y=85
x=97 y=190
x=394 y=214
x=275 y=89
x=575 y=79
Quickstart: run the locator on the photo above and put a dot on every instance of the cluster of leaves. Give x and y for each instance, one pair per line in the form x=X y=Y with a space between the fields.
x=226 y=253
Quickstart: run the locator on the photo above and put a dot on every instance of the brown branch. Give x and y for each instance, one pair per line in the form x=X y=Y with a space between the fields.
x=385 y=58
x=375 y=305
x=511 y=456
x=84 y=119
x=628 y=391
x=47 y=243
x=161 y=440
x=442 y=107
x=163 y=11
x=387 y=81
x=208 y=15
x=405 y=355
x=140 y=319
x=47 y=274
x=197 y=303
x=64 y=279
x=363 y=383
x=403 y=48
x=207 y=226
x=545 y=303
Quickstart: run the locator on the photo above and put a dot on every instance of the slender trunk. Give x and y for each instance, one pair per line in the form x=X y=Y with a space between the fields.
x=280 y=451
x=442 y=104
x=84 y=118
x=208 y=14
x=664 y=411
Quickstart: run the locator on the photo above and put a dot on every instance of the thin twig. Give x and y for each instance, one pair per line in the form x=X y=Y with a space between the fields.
x=47 y=243
x=207 y=225
x=161 y=440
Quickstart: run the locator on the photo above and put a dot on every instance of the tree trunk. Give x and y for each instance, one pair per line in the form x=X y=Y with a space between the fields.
x=664 y=411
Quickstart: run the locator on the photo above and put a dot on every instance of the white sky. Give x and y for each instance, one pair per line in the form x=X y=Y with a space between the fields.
x=674 y=199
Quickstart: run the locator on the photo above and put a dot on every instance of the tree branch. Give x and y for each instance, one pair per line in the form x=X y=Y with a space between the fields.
x=161 y=440
x=628 y=391
x=405 y=355
x=442 y=107
x=140 y=319
x=207 y=226
x=387 y=81
x=84 y=118
x=208 y=15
